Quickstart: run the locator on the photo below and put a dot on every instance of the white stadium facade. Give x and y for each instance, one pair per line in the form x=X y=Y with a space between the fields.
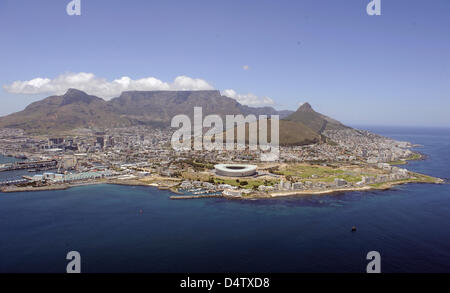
x=235 y=170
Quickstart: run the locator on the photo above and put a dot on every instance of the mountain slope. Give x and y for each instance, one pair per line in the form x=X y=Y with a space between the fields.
x=305 y=126
x=314 y=120
x=163 y=105
x=76 y=109
x=291 y=133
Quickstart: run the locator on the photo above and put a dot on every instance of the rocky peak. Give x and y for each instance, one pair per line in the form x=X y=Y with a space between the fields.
x=306 y=107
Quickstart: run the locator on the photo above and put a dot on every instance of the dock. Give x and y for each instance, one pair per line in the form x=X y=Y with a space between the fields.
x=37 y=165
x=13 y=182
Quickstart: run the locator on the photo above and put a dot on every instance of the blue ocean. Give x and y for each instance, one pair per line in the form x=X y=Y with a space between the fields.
x=139 y=229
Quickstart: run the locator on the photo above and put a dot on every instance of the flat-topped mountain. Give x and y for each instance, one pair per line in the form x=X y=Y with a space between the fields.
x=161 y=106
x=76 y=109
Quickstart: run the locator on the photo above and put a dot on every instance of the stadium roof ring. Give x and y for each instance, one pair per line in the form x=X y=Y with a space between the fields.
x=235 y=170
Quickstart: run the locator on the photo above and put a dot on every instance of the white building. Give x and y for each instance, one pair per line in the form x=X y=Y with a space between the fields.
x=339 y=182
x=232 y=192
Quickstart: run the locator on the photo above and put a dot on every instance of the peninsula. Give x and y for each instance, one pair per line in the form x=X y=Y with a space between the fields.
x=77 y=139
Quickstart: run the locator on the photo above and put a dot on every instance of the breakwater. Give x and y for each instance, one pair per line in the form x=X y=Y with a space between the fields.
x=43 y=165
x=195 y=196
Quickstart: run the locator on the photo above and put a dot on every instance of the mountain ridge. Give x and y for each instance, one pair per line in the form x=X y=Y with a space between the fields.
x=77 y=109
x=306 y=115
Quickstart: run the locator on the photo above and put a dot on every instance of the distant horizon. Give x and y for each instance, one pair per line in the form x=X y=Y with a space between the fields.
x=356 y=125
x=359 y=126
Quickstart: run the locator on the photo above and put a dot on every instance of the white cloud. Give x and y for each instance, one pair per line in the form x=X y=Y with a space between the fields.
x=248 y=99
x=101 y=87
x=246 y=67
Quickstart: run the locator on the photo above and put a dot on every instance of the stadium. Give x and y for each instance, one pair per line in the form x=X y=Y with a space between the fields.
x=235 y=170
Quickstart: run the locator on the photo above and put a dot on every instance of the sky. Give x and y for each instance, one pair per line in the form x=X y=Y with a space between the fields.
x=392 y=69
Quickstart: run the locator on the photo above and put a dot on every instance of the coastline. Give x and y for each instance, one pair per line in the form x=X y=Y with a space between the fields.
x=255 y=195
x=384 y=186
x=416 y=156
x=162 y=183
x=130 y=182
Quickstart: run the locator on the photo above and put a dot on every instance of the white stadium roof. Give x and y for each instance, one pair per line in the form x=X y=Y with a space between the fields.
x=235 y=170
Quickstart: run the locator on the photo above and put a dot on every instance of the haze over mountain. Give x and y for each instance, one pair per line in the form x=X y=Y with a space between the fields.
x=76 y=109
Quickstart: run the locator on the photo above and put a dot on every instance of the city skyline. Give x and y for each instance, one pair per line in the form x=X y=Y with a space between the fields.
x=351 y=66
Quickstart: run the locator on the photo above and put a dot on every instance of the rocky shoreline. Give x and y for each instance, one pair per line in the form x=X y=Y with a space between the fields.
x=385 y=186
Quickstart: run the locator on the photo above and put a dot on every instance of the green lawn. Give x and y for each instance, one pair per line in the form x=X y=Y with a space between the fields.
x=306 y=171
x=399 y=162
x=413 y=157
x=251 y=183
x=324 y=173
